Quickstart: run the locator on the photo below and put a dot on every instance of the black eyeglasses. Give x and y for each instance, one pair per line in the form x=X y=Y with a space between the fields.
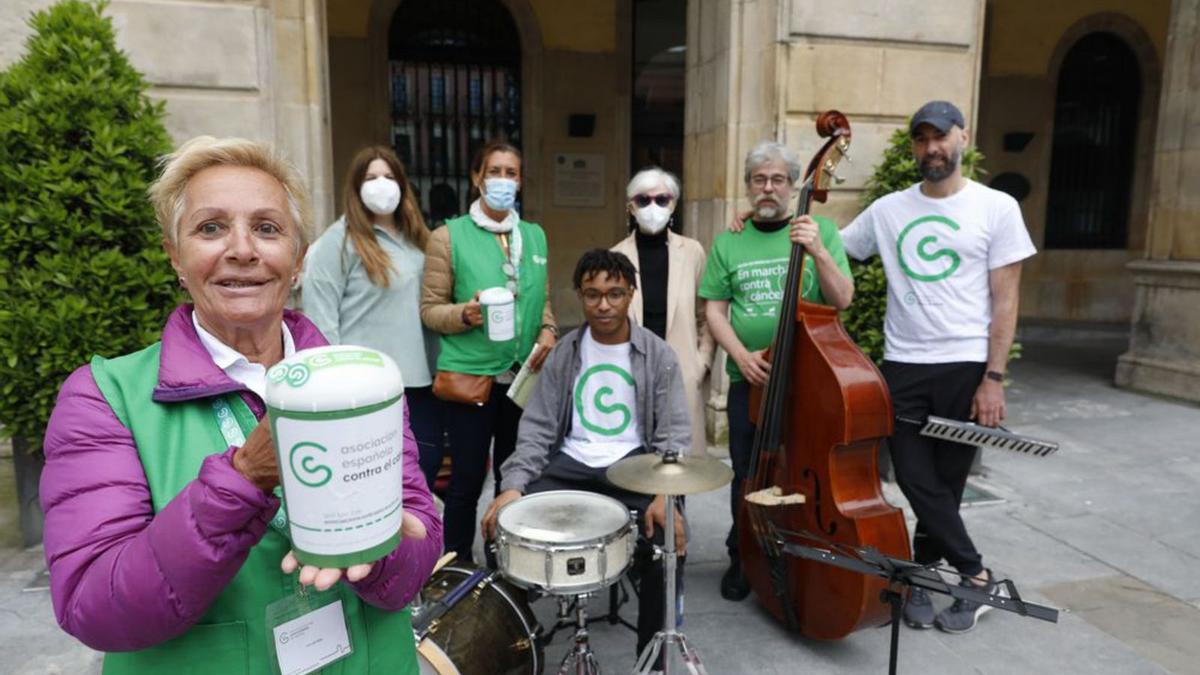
x=592 y=297
x=777 y=181
x=642 y=201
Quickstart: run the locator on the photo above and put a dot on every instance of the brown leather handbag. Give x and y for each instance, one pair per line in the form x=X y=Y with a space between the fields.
x=462 y=387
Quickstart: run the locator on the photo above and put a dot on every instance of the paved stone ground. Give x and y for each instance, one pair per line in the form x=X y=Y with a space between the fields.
x=1106 y=530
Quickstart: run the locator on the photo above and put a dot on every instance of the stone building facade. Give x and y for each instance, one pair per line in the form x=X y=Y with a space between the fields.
x=322 y=78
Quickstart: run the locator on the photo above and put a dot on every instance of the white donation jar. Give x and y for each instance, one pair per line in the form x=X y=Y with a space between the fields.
x=499 y=313
x=337 y=418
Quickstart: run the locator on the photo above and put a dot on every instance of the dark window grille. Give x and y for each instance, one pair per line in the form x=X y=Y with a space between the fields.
x=455 y=78
x=1095 y=128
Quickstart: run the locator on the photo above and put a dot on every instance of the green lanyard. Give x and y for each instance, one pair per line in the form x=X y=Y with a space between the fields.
x=232 y=431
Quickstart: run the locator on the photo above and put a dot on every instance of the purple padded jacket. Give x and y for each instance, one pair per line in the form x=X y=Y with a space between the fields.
x=125 y=578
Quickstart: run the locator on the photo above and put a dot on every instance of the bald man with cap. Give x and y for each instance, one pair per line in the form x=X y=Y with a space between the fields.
x=951 y=249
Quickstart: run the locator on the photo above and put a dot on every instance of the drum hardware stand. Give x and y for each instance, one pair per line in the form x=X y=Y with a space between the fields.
x=670 y=636
x=566 y=606
x=580 y=659
x=900 y=575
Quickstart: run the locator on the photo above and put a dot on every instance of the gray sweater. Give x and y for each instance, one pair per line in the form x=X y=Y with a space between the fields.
x=351 y=310
x=661 y=405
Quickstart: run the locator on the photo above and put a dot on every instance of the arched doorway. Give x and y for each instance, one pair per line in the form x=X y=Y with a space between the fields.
x=1092 y=157
x=454 y=84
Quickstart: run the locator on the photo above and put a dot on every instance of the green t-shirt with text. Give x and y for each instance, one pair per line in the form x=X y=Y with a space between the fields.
x=748 y=269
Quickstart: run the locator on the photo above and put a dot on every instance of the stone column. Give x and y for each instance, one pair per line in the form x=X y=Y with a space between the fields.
x=300 y=97
x=764 y=69
x=1164 y=347
x=732 y=99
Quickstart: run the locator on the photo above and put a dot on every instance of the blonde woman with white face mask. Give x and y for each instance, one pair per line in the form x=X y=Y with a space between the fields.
x=669 y=267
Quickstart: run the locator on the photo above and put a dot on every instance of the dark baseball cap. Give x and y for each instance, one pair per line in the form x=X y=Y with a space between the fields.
x=940 y=114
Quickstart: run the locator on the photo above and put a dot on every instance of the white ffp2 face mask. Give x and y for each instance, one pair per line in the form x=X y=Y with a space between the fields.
x=381 y=195
x=652 y=218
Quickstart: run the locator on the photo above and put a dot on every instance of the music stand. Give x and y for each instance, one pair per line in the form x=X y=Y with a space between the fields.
x=899 y=574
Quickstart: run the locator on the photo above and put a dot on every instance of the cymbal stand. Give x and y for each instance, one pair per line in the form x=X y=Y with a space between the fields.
x=669 y=637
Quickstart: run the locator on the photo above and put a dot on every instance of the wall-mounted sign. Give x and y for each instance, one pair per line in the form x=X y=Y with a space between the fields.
x=579 y=180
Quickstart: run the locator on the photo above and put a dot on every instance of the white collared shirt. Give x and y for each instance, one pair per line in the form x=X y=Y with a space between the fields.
x=240 y=369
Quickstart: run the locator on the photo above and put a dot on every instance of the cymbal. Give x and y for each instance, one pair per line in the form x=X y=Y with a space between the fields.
x=686 y=475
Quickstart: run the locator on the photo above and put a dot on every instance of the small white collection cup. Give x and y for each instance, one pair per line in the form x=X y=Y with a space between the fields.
x=499 y=313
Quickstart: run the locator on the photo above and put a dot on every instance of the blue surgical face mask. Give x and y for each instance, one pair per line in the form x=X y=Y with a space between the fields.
x=500 y=193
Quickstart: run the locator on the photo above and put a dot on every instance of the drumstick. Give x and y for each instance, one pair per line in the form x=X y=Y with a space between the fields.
x=443 y=561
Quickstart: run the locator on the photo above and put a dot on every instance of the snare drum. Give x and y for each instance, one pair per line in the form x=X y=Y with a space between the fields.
x=564 y=542
x=488 y=628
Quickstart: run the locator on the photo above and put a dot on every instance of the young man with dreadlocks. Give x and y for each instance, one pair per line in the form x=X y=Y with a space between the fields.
x=609 y=390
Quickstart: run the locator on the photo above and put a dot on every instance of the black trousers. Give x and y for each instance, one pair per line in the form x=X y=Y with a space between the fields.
x=932 y=473
x=565 y=473
x=472 y=431
x=741 y=445
x=427 y=417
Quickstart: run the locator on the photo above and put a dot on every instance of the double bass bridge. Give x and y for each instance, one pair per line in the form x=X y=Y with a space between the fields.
x=774 y=497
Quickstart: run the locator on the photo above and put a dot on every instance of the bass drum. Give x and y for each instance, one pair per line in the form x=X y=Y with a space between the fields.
x=489 y=630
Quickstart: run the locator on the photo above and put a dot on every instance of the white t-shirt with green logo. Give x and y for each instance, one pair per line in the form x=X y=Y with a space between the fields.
x=604 y=423
x=937 y=255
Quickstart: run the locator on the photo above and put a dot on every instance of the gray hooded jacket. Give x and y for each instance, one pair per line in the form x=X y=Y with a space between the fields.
x=661 y=405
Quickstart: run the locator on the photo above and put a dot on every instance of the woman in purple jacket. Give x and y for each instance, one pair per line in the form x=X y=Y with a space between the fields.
x=162 y=533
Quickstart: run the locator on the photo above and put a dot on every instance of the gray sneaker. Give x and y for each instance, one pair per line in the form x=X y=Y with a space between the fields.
x=918 y=611
x=964 y=614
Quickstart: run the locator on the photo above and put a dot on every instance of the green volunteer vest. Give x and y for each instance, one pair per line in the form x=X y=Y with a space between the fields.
x=477 y=261
x=173 y=439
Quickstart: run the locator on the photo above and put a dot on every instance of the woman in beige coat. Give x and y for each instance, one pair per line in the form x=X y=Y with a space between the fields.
x=669 y=268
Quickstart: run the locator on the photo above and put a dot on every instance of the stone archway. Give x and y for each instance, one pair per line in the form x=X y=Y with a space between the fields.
x=532 y=49
x=1135 y=37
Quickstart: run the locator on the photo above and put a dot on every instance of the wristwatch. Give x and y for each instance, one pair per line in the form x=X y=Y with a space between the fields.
x=552 y=328
x=994 y=375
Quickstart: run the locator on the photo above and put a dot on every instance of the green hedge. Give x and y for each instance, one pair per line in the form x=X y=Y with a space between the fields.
x=82 y=270
x=897 y=171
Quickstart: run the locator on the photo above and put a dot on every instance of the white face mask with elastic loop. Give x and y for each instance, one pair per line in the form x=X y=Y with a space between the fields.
x=381 y=195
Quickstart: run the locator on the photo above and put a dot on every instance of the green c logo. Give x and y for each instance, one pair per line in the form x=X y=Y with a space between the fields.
x=295 y=374
x=598 y=401
x=923 y=253
x=310 y=472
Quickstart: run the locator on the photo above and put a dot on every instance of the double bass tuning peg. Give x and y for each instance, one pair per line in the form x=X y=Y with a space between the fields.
x=829 y=171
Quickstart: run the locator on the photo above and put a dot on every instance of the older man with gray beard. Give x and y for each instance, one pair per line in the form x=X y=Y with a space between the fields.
x=743 y=283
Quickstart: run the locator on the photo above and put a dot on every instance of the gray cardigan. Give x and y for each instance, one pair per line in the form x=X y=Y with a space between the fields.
x=661 y=402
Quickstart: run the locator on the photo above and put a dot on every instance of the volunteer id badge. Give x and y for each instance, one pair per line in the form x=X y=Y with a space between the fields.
x=308 y=631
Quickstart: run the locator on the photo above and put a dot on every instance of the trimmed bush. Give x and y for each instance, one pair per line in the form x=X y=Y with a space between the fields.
x=82 y=270
x=897 y=171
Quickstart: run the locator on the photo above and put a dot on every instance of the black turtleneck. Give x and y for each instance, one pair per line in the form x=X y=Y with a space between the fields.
x=770 y=225
x=652 y=261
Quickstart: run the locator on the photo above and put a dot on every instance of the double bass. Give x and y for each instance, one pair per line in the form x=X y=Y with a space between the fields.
x=821 y=417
